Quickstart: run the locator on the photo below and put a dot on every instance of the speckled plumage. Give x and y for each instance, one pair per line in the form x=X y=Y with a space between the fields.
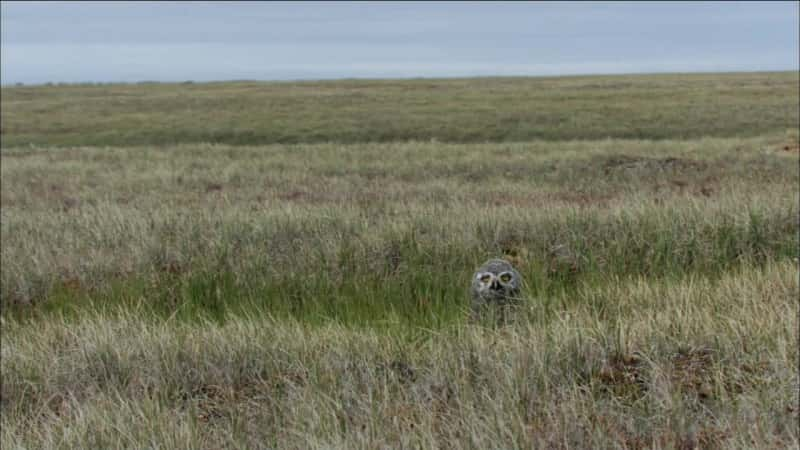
x=495 y=283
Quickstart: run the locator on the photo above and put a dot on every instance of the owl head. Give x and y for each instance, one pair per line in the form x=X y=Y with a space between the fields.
x=496 y=280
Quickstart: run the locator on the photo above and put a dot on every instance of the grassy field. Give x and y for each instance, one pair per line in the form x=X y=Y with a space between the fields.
x=286 y=265
x=468 y=110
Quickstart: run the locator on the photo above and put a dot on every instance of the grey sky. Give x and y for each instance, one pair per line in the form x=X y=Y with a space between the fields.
x=162 y=41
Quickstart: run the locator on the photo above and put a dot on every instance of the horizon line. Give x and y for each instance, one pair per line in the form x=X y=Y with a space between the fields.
x=371 y=78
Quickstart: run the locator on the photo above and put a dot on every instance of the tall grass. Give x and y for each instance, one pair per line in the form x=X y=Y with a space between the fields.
x=636 y=364
x=159 y=289
x=166 y=226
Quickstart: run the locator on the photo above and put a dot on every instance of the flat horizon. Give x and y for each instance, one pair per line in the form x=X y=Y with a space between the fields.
x=366 y=78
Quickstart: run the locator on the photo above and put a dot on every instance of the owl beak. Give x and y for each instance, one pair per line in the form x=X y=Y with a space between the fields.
x=495 y=285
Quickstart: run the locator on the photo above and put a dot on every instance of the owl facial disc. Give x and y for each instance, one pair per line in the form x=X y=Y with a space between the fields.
x=485 y=278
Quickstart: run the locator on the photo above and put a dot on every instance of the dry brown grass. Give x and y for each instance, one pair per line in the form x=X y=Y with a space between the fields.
x=635 y=365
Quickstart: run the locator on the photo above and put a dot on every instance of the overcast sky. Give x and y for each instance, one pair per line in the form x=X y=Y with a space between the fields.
x=163 y=41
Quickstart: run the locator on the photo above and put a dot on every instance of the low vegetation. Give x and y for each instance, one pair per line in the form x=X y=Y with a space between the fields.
x=680 y=106
x=167 y=287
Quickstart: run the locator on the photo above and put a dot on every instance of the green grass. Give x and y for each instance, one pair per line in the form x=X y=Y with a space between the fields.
x=292 y=230
x=262 y=265
x=636 y=364
x=468 y=110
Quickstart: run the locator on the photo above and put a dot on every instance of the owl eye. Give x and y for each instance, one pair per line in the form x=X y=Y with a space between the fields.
x=485 y=278
x=505 y=277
